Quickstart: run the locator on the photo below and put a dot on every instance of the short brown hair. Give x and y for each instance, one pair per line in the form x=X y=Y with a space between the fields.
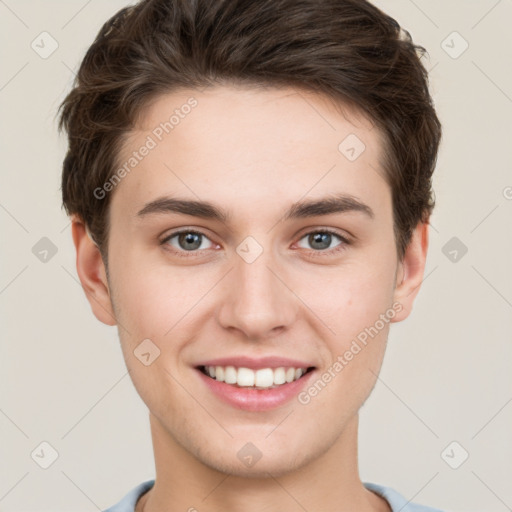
x=348 y=50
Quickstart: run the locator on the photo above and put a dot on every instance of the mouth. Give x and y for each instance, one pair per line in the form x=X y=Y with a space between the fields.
x=260 y=379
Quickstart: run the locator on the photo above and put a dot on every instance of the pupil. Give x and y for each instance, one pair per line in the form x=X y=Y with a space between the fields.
x=189 y=238
x=324 y=239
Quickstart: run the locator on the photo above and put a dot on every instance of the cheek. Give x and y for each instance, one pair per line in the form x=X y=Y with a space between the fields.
x=350 y=298
x=356 y=304
x=150 y=301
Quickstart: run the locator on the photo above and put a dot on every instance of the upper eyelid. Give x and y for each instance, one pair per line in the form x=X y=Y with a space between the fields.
x=166 y=238
x=331 y=231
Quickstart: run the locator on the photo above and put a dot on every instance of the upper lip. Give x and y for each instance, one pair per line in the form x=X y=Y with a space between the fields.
x=256 y=363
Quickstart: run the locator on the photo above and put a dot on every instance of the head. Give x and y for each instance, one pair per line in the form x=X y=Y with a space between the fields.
x=255 y=108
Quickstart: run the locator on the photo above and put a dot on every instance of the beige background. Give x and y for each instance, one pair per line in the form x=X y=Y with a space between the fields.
x=447 y=371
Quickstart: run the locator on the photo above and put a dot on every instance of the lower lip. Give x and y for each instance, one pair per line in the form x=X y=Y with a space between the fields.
x=256 y=400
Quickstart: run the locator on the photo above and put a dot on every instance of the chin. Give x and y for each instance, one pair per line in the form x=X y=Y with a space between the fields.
x=263 y=468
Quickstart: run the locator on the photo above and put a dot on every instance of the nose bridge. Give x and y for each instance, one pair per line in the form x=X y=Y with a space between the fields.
x=255 y=280
x=256 y=302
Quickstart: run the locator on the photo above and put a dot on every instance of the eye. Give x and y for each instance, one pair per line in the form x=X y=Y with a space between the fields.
x=188 y=241
x=321 y=241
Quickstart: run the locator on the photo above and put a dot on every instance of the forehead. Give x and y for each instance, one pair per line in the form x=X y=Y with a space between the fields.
x=253 y=145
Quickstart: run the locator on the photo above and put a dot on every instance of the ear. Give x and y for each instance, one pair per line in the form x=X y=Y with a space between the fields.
x=92 y=274
x=410 y=271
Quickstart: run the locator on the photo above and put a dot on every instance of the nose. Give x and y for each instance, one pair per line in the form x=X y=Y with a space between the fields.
x=256 y=300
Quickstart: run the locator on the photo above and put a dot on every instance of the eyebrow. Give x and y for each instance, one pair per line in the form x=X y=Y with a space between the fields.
x=338 y=203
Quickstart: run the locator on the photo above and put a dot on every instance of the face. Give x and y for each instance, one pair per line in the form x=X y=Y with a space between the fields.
x=256 y=279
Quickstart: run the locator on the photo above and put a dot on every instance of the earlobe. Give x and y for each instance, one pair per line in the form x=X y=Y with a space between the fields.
x=92 y=274
x=410 y=271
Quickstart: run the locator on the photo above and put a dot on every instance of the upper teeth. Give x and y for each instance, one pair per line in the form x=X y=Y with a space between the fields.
x=263 y=378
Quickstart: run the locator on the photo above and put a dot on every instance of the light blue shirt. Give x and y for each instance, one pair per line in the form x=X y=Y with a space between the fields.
x=396 y=501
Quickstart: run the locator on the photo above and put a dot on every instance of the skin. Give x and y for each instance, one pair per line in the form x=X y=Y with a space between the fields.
x=254 y=152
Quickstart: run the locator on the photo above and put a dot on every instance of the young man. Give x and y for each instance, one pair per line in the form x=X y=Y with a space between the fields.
x=250 y=188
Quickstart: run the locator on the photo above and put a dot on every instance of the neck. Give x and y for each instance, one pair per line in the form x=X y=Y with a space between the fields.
x=330 y=482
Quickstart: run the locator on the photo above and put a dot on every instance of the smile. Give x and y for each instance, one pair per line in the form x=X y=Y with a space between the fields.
x=263 y=378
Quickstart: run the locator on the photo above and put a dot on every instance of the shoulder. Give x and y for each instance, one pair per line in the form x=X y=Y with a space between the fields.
x=396 y=501
x=127 y=504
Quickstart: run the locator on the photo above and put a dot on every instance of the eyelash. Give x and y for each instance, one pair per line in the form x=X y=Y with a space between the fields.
x=191 y=254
